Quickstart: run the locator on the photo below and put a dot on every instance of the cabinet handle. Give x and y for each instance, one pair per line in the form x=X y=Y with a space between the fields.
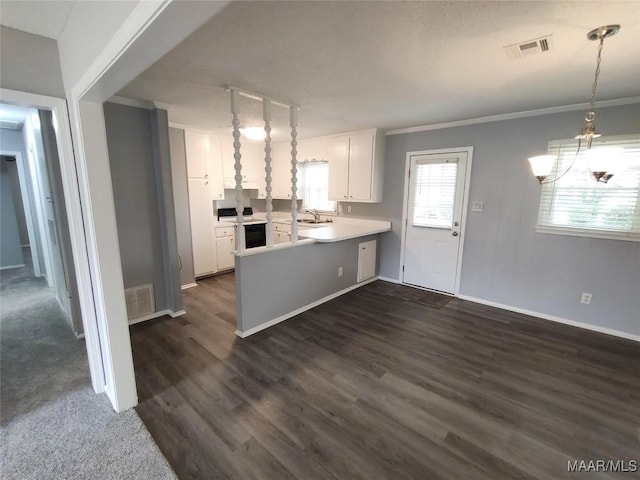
x=350 y=196
x=206 y=176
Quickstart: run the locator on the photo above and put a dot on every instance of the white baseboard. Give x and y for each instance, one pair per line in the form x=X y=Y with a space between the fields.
x=189 y=285
x=387 y=279
x=553 y=318
x=9 y=267
x=79 y=336
x=286 y=316
x=151 y=316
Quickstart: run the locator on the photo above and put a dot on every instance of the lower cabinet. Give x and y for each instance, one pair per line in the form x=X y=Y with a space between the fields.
x=281 y=233
x=366 y=260
x=225 y=246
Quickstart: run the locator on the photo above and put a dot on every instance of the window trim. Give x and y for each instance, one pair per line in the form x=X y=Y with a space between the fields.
x=611 y=140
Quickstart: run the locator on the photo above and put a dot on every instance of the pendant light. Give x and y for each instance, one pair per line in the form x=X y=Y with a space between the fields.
x=601 y=169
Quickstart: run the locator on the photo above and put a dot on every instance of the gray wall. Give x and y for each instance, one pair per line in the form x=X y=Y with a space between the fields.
x=131 y=158
x=505 y=260
x=181 y=204
x=29 y=63
x=273 y=284
x=10 y=250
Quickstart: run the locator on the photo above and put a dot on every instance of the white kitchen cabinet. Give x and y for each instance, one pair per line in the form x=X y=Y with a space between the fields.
x=360 y=179
x=281 y=170
x=204 y=160
x=225 y=246
x=201 y=213
x=252 y=160
x=281 y=233
x=366 y=260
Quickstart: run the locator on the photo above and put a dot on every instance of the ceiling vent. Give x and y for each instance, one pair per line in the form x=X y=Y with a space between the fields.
x=530 y=47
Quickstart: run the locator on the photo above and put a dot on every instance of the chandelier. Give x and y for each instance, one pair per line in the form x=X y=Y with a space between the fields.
x=601 y=171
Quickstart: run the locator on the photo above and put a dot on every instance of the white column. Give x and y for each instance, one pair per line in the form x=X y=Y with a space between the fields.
x=294 y=173
x=266 y=114
x=238 y=168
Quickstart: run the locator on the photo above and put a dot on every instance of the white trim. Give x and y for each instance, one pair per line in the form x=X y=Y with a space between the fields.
x=70 y=184
x=465 y=205
x=158 y=314
x=514 y=115
x=28 y=210
x=129 y=102
x=579 y=232
x=553 y=318
x=189 y=285
x=9 y=267
x=390 y=280
x=298 y=311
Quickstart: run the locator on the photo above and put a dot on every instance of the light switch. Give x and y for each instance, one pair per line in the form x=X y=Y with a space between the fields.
x=477 y=206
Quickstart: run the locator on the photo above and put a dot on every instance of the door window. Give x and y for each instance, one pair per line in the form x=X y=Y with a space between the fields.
x=435 y=192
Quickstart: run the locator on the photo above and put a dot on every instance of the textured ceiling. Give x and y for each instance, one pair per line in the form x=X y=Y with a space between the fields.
x=46 y=18
x=354 y=65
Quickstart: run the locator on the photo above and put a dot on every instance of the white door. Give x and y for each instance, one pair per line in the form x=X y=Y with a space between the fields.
x=434 y=220
x=201 y=212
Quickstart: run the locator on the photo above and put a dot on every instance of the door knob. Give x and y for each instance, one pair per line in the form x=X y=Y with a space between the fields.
x=455 y=234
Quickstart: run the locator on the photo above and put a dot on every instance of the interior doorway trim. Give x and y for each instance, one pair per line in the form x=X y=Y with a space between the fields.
x=58 y=106
x=465 y=202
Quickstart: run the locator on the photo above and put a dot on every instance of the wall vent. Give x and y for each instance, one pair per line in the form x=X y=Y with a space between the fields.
x=139 y=301
x=530 y=47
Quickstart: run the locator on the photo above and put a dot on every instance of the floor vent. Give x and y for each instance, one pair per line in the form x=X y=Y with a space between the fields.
x=528 y=48
x=139 y=301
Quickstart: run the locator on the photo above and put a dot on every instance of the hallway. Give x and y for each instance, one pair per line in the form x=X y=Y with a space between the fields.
x=52 y=425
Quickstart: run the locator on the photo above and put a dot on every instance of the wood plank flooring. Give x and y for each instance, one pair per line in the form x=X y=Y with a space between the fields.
x=369 y=386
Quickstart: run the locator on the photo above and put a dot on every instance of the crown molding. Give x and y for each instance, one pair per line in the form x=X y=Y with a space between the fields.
x=515 y=115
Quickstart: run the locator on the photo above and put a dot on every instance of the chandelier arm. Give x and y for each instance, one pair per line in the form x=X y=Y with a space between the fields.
x=568 y=168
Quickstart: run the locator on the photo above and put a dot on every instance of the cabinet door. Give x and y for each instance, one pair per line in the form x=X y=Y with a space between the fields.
x=337 y=152
x=366 y=260
x=214 y=169
x=201 y=212
x=225 y=247
x=197 y=149
x=360 y=166
x=281 y=170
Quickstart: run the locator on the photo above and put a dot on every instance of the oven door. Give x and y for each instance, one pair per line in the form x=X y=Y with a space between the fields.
x=255 y=235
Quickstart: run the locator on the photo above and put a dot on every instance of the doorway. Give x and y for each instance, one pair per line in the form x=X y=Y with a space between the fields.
x=435 y=208
x=33 y=167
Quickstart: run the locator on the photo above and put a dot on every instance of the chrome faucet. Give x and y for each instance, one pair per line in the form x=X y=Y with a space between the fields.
x=314 y=212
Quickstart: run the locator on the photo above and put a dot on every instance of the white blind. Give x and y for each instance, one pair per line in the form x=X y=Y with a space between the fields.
x=577 y=204
x=434 y=195
x=315 y=186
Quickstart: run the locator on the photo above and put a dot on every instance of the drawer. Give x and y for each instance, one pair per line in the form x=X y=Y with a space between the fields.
x=225 y=232
x=282 y=227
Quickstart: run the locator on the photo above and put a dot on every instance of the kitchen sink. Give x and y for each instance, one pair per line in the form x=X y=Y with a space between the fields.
x=313 y=222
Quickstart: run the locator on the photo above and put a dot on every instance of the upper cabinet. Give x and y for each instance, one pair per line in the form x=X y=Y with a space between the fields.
x=252 y=165
x=204 y=161
x=356 y=167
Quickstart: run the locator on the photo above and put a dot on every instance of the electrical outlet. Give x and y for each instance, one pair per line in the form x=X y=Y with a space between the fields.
x=586 y=298
x=348 y=208
x=340 y=271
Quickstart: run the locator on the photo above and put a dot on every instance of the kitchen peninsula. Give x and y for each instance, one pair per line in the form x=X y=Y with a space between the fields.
x=277 y=283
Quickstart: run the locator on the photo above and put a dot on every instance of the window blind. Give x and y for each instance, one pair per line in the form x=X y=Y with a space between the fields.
x=577 y=204
x=434 y=194
x=315 y=186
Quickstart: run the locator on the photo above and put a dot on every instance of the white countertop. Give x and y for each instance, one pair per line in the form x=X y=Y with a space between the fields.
x=337 y=231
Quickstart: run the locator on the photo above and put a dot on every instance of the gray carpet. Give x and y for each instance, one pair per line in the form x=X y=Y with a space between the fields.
x=52 y=425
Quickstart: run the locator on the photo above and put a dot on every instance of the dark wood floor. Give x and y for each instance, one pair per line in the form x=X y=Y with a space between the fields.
x=370 y=386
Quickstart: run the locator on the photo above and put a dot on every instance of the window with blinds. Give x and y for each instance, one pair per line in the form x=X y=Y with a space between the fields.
x=578 y=205
x=314 y=183
x=434 y=195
